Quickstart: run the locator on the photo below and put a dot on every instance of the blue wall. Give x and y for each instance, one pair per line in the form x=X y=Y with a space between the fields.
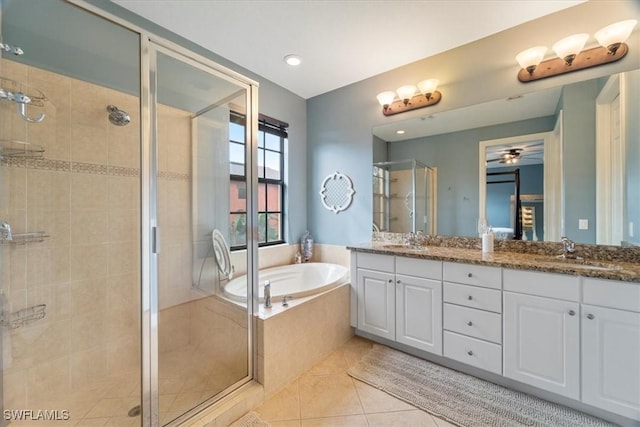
x=579 y=158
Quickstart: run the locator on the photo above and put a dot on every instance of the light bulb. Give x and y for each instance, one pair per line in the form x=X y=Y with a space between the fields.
x=427 y=87
x=386 y=98
x=406 y=93
x=530 y=58
x=569 y=47
x=612 y=36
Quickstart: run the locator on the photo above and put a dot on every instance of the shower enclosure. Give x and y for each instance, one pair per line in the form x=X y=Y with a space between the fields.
x=114 y=169
x=404 y=197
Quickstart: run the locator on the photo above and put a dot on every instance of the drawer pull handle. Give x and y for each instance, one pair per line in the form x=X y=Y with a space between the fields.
x=470 y=353
x=469 y=275
x=470 y=323
x=590 y=316
x=470 y=297
x=572 y=313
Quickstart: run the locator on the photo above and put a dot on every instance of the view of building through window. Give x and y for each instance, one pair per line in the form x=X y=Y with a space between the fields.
x=272 y=137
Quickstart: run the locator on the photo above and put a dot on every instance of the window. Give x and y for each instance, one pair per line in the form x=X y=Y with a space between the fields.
x=272 y=137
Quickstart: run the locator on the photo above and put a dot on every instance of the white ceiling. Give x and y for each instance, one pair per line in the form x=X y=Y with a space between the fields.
x=340 y=42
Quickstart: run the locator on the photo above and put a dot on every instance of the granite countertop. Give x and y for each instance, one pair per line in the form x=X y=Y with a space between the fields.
x=624 y=271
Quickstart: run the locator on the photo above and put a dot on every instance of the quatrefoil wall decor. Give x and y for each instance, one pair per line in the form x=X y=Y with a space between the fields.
x=336 y=192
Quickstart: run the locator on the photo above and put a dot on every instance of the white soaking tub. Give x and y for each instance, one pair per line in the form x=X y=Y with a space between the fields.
x=296 y=280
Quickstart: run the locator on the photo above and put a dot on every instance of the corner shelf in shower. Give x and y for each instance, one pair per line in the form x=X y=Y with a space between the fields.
x=22 y=94
x=24 y=317
x=19 y=150
x=25 y=238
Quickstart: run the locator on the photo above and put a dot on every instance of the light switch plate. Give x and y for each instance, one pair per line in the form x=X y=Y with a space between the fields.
x=583 y=224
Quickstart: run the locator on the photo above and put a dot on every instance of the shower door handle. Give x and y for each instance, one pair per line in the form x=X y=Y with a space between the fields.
x=155 y=243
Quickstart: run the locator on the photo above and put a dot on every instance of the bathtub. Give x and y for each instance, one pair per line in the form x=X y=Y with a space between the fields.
x=296 y=280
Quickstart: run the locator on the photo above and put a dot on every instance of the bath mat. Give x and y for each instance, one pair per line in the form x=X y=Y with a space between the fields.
x=459 y=398
x=250 y=419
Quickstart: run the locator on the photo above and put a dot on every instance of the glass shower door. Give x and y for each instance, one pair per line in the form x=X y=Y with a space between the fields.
x=203 y=337
x=70 y=179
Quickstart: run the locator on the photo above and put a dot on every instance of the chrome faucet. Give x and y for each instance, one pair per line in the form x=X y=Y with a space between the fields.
x=267 y=294
x=285 y=300
x=568 y=248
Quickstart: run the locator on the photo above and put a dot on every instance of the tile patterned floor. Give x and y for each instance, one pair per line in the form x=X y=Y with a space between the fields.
x=326 y=396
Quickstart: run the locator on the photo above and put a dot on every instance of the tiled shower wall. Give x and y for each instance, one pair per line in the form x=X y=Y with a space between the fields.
x=84 y=194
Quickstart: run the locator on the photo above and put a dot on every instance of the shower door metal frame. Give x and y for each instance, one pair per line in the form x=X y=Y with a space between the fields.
x=166 y=48
x=148 y=207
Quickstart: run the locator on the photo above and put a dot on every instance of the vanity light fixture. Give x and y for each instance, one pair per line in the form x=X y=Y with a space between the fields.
x=572 y=57
x=410 y=97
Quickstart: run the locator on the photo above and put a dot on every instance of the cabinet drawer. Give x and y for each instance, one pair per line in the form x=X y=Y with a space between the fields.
x=612 y=294
x=470 y=274
x=558 y=286
x=419 y=267
x=475 y=323
x=472 y=351
x=473 y=296
x=376 y=262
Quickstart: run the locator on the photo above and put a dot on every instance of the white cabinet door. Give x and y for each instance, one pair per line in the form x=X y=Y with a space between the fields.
x=376 y=303
x=541 y=343
x=419 y=313
x=611 y=360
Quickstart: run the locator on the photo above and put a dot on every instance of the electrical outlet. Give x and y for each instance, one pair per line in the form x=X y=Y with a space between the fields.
x=583 y=224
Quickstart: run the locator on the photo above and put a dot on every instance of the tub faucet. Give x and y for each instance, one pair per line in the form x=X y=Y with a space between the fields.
x=267 y=294
x=285 y=300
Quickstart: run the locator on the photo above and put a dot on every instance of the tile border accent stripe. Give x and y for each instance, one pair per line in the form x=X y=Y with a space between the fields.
x=87 y=168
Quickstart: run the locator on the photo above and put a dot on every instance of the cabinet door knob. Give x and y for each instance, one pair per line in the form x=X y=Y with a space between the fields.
x=390 y=281
x=590 y=316
x=572 y=313
x=469 y=275
x=470 y=297
x=470 y=353
x=470 y=323
x=398 y=282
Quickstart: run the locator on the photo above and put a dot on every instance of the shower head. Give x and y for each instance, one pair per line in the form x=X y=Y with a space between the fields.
x=118 y=117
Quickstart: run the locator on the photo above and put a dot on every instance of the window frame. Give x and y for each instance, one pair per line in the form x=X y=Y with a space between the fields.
x=266 y=125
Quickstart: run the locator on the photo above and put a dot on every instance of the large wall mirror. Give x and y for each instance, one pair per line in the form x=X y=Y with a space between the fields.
x=576 y=148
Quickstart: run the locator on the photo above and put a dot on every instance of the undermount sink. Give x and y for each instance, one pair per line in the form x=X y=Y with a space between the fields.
x=579 y=263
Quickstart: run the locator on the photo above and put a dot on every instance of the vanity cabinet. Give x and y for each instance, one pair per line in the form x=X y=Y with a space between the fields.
x=574 y=336
x=473 y=315
x=400 y=299
x=542 y=330
x=419 y=313
x=376 y=294
x=611 y=346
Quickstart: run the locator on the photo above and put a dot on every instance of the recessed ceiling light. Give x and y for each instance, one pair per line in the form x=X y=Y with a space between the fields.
x=400 y=132
x=293 y=60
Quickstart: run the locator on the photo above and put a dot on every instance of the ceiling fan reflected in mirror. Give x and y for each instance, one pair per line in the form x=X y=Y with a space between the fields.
x=509 y=157
x=514 y=155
